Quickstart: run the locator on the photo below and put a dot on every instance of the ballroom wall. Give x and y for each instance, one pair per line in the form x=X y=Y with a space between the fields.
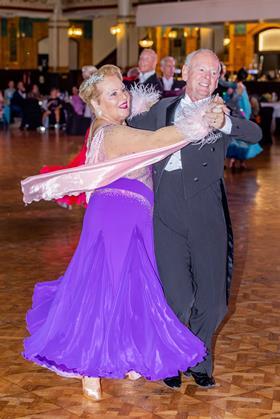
x=20 y=38
x=240 y=48
x=19 y=42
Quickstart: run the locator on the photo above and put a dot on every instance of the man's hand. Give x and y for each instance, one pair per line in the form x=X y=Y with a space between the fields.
x=215 y=115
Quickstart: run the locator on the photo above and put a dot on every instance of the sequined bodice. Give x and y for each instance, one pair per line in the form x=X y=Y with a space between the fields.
x=96 y=154
x=144 y=175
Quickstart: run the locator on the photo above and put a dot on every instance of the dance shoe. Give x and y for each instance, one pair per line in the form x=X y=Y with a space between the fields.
x=202 y=379
x=133 y=375
x=92 y=388
x=173 y=382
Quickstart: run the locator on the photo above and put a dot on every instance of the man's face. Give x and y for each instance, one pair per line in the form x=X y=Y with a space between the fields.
x=168 y=68
x=20 y=86
x=54 y=94
x=201 y=75
x=147 y=62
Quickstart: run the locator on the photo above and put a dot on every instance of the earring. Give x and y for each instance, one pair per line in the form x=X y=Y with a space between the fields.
x=98 y=113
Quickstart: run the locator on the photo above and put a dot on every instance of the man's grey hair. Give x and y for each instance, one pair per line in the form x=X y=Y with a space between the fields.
x=190 y=56
x=165 y=59
x=88 y=71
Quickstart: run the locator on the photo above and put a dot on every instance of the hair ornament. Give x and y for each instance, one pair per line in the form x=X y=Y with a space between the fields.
x=95 y=78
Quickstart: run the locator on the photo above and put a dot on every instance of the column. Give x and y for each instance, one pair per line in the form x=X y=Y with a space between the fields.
x=206 y=38
x=219 y=34
x=58 y=41
x=127 y=40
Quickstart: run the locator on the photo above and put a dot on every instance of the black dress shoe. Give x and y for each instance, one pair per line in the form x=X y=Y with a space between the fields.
x=173 y=382
x=201 y=379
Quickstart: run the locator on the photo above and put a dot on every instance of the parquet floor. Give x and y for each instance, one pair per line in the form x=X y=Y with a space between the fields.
x=36 y=244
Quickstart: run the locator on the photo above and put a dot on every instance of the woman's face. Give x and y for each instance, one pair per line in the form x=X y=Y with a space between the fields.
x=113 y=102
x=75 y=91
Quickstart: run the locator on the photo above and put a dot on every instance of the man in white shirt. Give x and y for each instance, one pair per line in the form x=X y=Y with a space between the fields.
x=169 y=84
x=193 y=235
x=147 y=67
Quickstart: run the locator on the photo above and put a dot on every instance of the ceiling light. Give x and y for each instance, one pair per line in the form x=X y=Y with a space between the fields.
x=146 y=43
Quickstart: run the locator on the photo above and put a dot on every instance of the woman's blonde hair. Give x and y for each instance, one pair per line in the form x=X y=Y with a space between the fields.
x=88 y=90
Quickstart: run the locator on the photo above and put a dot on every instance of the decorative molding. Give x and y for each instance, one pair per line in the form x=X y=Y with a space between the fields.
x=70 y=4
x=70 y=8
x=27 y=4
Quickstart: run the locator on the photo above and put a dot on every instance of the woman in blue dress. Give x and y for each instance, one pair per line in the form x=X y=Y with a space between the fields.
x=239 y=151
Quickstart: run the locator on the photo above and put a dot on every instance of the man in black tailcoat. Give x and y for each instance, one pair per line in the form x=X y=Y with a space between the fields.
x=147 y=68
x=193 y=236
x=170 y=85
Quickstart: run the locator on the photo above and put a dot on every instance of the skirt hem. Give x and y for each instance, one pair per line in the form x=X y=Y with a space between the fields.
x=63 y=371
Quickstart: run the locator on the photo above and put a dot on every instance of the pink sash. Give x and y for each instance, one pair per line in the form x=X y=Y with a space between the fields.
x=87 y=178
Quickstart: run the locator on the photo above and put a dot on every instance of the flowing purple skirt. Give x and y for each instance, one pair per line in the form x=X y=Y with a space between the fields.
x=107 y=314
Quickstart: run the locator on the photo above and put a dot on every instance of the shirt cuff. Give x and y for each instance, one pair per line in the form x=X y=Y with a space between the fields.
x=226 y=129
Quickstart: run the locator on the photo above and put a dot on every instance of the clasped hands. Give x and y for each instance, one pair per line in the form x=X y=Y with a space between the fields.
x=215 y=115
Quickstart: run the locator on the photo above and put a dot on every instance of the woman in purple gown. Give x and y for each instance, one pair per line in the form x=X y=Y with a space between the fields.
x=107 y=315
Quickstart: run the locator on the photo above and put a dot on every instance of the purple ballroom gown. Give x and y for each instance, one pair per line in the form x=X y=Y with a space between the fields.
x=107 y=315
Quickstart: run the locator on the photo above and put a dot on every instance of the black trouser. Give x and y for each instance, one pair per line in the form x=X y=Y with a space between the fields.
x=191 y=252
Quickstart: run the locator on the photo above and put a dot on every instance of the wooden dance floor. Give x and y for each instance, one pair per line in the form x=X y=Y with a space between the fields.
x=37 y=242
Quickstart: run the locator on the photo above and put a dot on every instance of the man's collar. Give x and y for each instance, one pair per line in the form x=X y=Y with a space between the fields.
x=168 y=80
x=145 y=76
x=186 y=100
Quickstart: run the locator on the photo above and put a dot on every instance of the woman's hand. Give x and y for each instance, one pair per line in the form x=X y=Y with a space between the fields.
x=215 y=115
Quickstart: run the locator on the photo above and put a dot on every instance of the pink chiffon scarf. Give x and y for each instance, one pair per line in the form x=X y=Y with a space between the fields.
x=87 y=178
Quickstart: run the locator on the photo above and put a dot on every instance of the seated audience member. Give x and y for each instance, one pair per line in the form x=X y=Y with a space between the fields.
x=35 y=92
x=170 y=86
x=2 y=104
x=239 y=151
x=9 y=92
x=78 y=124
x=32 y=111
x=53 y=113
x=147 y=67
x=76 y=101
x=63 y=95
x=17 y=101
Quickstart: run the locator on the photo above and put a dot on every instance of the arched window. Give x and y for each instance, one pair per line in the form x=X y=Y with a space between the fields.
x=269 y=40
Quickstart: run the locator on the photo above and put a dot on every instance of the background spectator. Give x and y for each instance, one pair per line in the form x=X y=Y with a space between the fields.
x=53 y=112
x=170 y=86
x=17 y=102
x=147 y=67
x=9 y=92
x=76 y=101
